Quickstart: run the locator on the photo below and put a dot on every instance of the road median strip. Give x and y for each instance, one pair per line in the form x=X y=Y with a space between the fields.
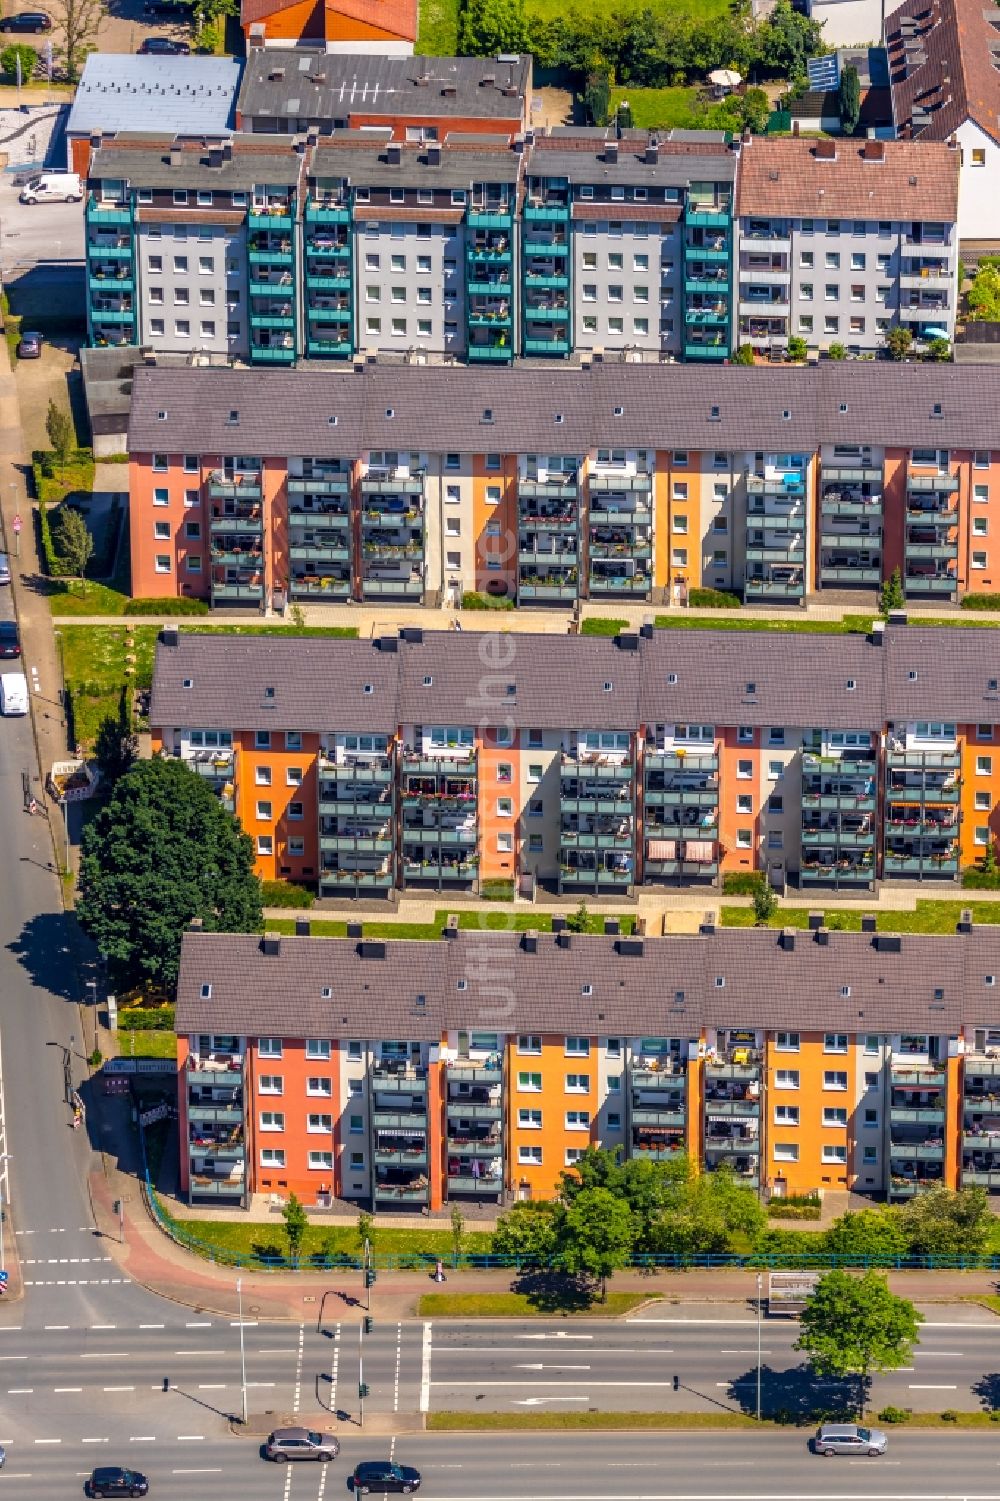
x=442 y=1422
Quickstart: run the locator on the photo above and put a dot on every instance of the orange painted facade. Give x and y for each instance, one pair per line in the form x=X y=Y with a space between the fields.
x=563 y=1103
x=276 y=800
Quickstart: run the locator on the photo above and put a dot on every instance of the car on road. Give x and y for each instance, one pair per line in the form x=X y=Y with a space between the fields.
x=52 y=187
x=13 y=694
x=380 y=1475
x=849 y=1438
x=114 y=1480
x=4 y=579
x=10 y=642
x=300 y=1443
x=29 y=346
x=163 y=46
x=27 y=20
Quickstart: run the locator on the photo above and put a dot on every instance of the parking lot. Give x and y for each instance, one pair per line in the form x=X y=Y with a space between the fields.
x=122 y=28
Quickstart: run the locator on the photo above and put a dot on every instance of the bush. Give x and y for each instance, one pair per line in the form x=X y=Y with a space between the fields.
x=743 y=355
x=285 y=894
x=741 y=882
x=797 y=348
x=171 y=607
x=714 y=599
x=473 y=600
x=893 y=1415
x=783 y=1209
x=981 y=880
x=981 y=602
x=497 y=891
x=146 y=1019
x=949 y=1415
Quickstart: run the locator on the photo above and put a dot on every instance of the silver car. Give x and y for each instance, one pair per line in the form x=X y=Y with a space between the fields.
x=300 y=1443
x=849 y=1438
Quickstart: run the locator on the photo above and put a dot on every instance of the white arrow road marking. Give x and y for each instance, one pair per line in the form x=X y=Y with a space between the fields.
x=561 y=1334
x=537 y=1401
x=556 y=1366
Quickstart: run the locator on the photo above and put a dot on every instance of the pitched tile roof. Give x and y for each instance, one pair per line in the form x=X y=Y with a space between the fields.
x=396 y=16
x=851 y=983
x=941 y=66
x=788 y=178
x=928 y=679
x=532 y=410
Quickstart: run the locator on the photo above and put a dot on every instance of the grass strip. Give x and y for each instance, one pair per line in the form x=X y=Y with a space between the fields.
x=522 y=1305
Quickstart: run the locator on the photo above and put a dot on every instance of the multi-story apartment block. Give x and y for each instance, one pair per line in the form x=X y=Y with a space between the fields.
x=480 y=1066
x=839 y=240
x=292 y=90
x=590 y=766
x=547 y=487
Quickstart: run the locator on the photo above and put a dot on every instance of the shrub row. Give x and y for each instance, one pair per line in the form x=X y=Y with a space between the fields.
x=286 y=894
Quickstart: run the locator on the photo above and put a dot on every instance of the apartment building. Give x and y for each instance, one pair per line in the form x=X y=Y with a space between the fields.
x=942 y=56
x=839 y=240
x=479 y=1067
x=626 y=481
x=588 y=766
x=292 y=90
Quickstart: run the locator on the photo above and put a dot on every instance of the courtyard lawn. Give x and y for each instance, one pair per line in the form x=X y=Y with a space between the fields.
x=932 y=916
x=437 y=30
x=242 y=1238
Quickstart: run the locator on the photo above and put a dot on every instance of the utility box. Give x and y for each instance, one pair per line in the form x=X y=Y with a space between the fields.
x=788 y=1292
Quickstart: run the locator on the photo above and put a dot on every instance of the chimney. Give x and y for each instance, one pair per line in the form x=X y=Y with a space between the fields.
x=227 y=151
x=95 y=140
x=953 y=143
x=612 y=927
x=964 y=924
x=652 y=152
x=196 y=925
x=170 y=635
x=370 y=949
x=303 y=927
x=433 y=153
x=558 y=922
x=627 y=641
x=815 y=921
x=825 y=151
x=176 y=156
x=630 y=948
x=869 y=922
x=887 y=943
x=611 y=152
x=787 y=940
x=312 y=136
x=387 y=643
x=299 y=145
x=707 y=927
x=873 y=151
x=646 y=630
x=393 y=153
x=414 y=634
x=897 y=617
x=215 y=157
x=565 y=939
x=354 y=930
x=271 y=944
x=451 y=926
x=877 y=637
x=822 y=936
x=529 y=941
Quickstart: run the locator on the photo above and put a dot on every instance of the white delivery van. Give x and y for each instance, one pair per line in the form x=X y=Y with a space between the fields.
x=13 y=693
x=53 y=187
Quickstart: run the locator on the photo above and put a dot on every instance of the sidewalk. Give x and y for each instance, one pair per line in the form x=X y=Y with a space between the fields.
x=152 y=1259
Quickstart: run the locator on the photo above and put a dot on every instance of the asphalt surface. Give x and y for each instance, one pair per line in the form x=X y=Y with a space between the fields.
x=532 y=1467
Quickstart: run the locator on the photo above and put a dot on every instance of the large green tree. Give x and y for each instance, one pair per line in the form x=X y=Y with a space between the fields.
x=71 y=540
x=710 y=1212
x=528 y=1231
x=945 y=1222
x=162 y=851
x=854 y=1326
x=849 y=99
x=595 y=1235
x=875 y=1233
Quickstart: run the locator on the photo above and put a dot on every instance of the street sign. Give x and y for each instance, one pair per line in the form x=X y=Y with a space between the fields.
x=16 y=523
x=3 y=1281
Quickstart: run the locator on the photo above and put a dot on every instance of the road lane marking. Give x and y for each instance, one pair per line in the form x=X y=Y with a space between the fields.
x=120 y=1388
x=202 y=1471
x=115 y=1326
x=399 y=1356
x=13 y=1357
x=199 y=1352
x=105 y=1355
x=95 y=1441
x=141 y=1326
x=425 y=1370
x=190 y=1438
x=58 y=1389
x=260 y=1383
x=235 y=1324
x=297 y=1397
x=20 y=1391
x=914 y=1387
x=199 y=1324
x=57 y=1326
x=48 y=1440
x=211 y=1386
x=142 y=1438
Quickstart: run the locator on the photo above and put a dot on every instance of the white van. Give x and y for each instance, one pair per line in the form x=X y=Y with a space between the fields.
x=13 y=693
x=53 y=187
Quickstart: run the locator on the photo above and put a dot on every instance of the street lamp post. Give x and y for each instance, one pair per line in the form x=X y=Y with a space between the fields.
x=760 y=1301
x=243 y=1350
x=62 y=674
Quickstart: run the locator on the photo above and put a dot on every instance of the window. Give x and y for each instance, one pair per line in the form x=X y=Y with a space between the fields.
x=834 y=1115
x=786 y=1115
x=270 y=1084
x=834 y=1079
x=530 y=1156
x=787 y=1042
x=871 y=1119
x=263 y=812
x=744 y=802
x=317 y=1048
x=265 y=844
x=979 y=560
x=744 y=770
x=981 y=834
x=529 y=1120
x=526 y=1044
x=262 y=776
x=269 y=1047
x=984 y=766
x=871 y=1080
x=786 y=1078
x=162 y=562
x=505 y=807
x=578 y=1047
x=980 y=526
x=354 y=1050
x=835 y=1042
x=316 y=1084
x=161 y=531
x=321 y=1162
x=529 y=1083
x=262 y=740
x=272 y=1120
x=505 y=844
x=786 y=1151
x=577 y=1083
x=834 y=1154
x=744 y=839
x=578 y=1120
x=316 y=1123
x=984 y=801
x=272 y=1157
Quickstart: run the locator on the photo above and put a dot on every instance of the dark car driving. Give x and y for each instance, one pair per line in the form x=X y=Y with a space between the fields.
x=115 y=1480
x=27 y=20
x=163 y=46
x=380 y=1475
x=10 y=642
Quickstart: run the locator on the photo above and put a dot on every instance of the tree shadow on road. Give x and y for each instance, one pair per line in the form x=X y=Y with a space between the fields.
x=796 y=1396
x=50 y=949
x=987 y=1389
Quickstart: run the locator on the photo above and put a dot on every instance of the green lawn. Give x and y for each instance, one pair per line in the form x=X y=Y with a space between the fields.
x=929 y=917
x=683 y=620
x=69 y=597
x=320 y=1239
x=695 y=10
x=94 y=669
x=494 y=922
x=523 y=1305
x=437 y=30
x=146 y=1044
x=660 y=108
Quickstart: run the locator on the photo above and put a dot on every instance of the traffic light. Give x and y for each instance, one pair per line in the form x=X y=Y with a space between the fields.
x=369 y=1324
x=369 y=1276
x=364 y=1390
x=677 y=1383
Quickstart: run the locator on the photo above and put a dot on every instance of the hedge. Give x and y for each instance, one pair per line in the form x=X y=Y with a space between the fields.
x=981 y=602
x=167 y=607
x=981 y=880
x=146 y=1019
x=473 y=600
x=742 y=882
x=784 y=1209
x=497 y=891
x=600 y=625
x=285 y=894
x=714 y=599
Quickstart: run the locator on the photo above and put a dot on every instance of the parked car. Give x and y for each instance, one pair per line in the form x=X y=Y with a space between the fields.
x=300 y=1443
x=10 y=642
x=163 y=46
x=4 y=568
x=167 y=10
x=29 y=347
x=52 y=187
x=27 y=20
x=380 y=1475
x=849 y=1438
x=113 y=1480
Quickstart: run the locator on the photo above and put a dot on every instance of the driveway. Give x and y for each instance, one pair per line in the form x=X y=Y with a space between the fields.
x=56 y=376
